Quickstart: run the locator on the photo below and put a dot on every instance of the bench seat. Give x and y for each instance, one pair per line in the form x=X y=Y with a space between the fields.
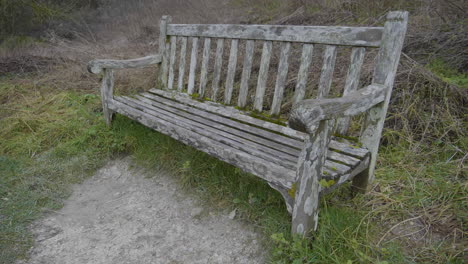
x=265 y=149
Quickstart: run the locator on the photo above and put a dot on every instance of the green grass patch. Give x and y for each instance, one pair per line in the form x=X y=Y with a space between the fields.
x=448 y=74
x=52 y=139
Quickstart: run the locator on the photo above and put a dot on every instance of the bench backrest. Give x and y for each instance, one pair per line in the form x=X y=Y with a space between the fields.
x=187 y=71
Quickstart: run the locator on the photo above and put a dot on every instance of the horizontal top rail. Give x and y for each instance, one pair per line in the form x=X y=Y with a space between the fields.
x=349 y=36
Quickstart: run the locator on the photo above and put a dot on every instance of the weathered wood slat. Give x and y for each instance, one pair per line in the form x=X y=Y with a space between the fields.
x=354 y=36
x=96 y=66
x=352 y=82
x=231 y=71
x=349 y=149
x=193 y=66
x=217 y=68
x=348 y=176
x=263 y=75
x=251 y=164
x=170 y=81
x=183 y=55
x=232 y=112
x=281 y=78
x=163 y=51
x=303 y=73
x=246 y=71
x=107 y=90
x=384 y=73
x=204 y=66
x=328 y=67
x=210 y=129
x=242 y=130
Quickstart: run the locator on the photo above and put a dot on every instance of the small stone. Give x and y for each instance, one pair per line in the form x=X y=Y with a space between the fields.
x=232 y=215
x=197 y=211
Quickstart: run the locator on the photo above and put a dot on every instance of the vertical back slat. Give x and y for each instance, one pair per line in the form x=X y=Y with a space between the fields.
x=193 y=66
x=217 y=68
x=162 y=48
x=170 y=82
x=302 y=75
x=231 y=71
x=263 y=75
x=246 y=71
x=183 y=54
x=328 y=67
x=352 y=82
x=281 y=78
x=204 y=66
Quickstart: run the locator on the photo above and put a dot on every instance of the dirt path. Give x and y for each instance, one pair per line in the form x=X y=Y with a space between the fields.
x=119 y=216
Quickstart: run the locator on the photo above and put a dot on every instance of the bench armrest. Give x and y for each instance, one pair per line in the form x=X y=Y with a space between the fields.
x=96 y=66
x=307 y=113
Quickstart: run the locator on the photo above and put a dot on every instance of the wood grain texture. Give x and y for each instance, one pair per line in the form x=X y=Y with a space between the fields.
x=107 y=90
x=96 y=66
x=246 y=71
x=193 y=66
x=183 y=55
x=384 y=73
x=204 y=67
x=281 y=79
x=303 y=73
x=172 y=58
x=231 y=112
x=231 y=71
x=328 y=67
x=309 y=173
x=352 y=82
x=217 y=68
x=246 y=162
x=307 y=113
x=354 y=36
x=163 y=50
x=263 y=75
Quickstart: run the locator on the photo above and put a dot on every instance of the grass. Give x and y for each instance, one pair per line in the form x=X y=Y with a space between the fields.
x=52 y=139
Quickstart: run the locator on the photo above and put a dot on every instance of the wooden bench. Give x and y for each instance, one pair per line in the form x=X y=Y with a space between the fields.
x=300 y=159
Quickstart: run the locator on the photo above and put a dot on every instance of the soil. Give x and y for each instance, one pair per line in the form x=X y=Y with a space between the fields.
x=120 y=215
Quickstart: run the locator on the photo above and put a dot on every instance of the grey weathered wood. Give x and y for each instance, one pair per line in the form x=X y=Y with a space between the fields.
x=165 y=20
x=191 y=123
x=309 y=173
x=249 y=163
x=252 y=133
x=107 y=90
x=348 y=176
x=231 y=71
x=307 y=113
x=193 y=66
x=326 y=76
x=96 y=66
x=170 y=81
x=281 y=79
x=352 y=82
x=232 y=112
x=217 y=68
x=263 y=75
x=204 y=66
x=303 y=73
x=354 y=36
x=246 y=71
x=384 y=73
x=183 y=55
x=349 y=149
x=286 y=196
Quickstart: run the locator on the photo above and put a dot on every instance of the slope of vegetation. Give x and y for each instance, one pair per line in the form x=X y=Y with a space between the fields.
x=53 y=135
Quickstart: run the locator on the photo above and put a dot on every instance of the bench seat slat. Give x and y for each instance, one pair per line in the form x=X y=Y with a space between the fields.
x=249 y=132
x=209 y=132
x=215 y=128
x=266 y=170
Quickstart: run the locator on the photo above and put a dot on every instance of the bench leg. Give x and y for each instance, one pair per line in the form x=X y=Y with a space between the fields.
x=107 y=90
x=309 y=171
